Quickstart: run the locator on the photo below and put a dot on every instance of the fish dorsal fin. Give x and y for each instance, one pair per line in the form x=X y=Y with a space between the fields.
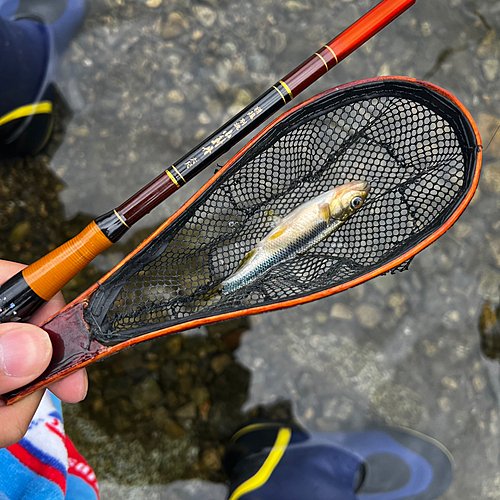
x=324 y=212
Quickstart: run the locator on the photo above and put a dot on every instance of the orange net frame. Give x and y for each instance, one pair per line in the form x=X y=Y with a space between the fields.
x=416 y=146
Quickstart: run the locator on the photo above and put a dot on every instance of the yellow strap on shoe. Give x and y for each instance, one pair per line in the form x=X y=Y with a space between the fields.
x=272 y=460
x=28 y=110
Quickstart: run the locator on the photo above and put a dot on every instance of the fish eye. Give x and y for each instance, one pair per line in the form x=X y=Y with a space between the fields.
x=356 y=202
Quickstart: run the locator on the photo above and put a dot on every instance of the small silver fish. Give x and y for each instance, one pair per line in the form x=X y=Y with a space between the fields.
x=303 y=228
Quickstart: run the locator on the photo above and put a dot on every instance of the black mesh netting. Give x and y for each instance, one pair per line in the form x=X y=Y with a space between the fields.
x=415 y=148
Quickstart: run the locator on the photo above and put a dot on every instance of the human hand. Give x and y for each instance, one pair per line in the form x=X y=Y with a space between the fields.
x=25 y=352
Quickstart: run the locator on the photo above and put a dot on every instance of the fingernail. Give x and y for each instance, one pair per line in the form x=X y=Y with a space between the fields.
x=22 y=353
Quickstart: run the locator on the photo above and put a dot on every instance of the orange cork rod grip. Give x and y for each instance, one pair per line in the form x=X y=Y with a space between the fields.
x=49 y=274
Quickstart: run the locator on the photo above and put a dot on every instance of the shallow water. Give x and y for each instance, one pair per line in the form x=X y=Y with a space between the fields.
x=145 y=82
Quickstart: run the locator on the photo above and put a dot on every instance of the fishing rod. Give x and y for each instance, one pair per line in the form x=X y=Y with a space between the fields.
x=22 y=294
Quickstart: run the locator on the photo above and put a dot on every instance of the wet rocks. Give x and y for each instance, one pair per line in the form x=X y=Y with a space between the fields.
x=186 y=412
x=116 y=388
x=340 y=311
x=490 y=69
x=488 y=124
x=398 y=404
x=294 y=6
x=489 y=286
x=205 y=15
x=165 y=424
x=146 y=394
x=175 y=25
x=200 y=396
x=491 y=177
x=397 y=302
x=368 y=316
x=336 y=412
x=180 y=389
x=219 y=363
x=211 y=459
x=489 y=330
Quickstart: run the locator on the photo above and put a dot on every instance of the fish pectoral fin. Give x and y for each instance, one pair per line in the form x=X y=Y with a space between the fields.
x=324 y=213
x=277 y=234
x=247 y=257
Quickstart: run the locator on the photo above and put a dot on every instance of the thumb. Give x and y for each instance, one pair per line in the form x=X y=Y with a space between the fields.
x=25 y=352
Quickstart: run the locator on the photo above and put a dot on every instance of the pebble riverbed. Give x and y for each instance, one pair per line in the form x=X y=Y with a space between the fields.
x=144 y=82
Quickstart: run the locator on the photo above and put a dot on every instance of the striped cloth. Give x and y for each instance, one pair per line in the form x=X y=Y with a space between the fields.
x=45 y=465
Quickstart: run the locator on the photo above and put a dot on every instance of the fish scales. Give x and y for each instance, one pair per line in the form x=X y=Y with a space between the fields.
x=271 y=255
x=299 y=231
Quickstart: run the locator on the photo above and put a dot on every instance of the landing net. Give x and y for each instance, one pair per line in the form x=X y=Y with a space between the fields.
x=413 y=145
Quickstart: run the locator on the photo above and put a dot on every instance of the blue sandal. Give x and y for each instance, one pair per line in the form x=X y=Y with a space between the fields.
x=272 y=461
